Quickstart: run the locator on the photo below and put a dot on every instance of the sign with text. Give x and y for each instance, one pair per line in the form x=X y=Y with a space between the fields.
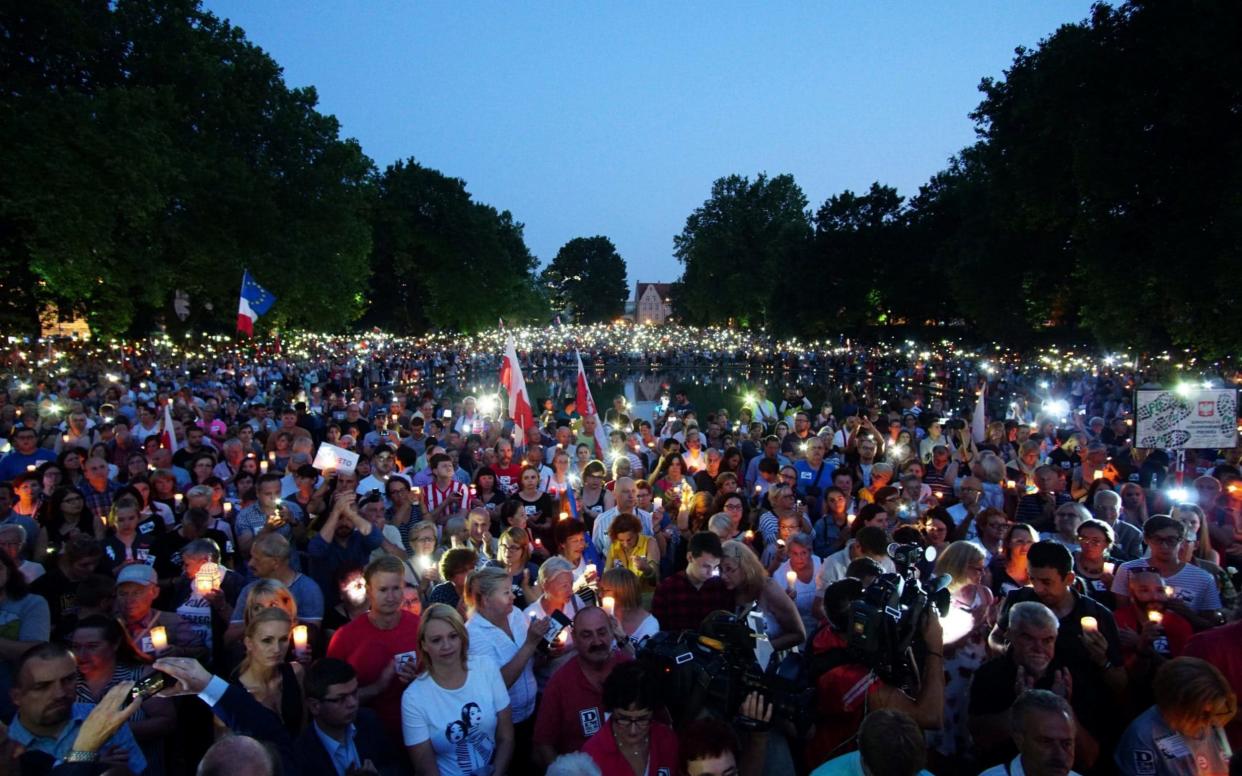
x=335 y=458
x=1186 y=418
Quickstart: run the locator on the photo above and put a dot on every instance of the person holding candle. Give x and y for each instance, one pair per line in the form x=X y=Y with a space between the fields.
x=538 y=507
x=106 y=658
x=1092 y=651
x=381 y=644
x=571 y=538
x=501 y=633
x=269 y=560
x=424 y=554
x=1031 y=661
x=64 y=516
x=205 y=593
x=620 y=594
x=1196 y=596
x=155 y=633
x=557 y=595
x=776 y=553
x=798 y=573
x=1150 y=634
x=1197 y=551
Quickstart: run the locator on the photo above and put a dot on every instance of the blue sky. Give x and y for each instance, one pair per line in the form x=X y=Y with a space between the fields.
x=591 y=118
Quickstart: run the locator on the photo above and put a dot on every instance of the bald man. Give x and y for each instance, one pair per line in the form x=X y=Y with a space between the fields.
x=237 y=756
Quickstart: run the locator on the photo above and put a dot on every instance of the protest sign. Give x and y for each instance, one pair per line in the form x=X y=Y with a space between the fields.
x=1186 y=418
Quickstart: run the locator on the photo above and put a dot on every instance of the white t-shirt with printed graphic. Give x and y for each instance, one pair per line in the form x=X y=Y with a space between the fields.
x=461 y=723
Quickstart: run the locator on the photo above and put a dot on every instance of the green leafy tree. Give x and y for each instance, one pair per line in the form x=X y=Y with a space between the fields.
x=735 y=246
x=149 y=148
x=587 y=278
x=443 y=261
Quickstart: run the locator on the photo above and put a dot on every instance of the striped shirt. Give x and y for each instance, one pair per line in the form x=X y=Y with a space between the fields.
x=1192 y=585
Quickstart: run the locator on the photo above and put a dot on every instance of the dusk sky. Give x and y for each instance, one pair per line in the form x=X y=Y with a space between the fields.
x=614 y=119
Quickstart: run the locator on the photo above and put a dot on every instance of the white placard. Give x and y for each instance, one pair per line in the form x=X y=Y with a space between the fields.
x=335 y=458
x=1186 y=418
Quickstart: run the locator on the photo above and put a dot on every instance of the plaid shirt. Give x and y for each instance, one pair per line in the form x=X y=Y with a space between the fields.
x=98 y=503
x=677 y=605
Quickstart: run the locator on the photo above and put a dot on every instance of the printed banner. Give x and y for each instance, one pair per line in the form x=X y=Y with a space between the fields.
x=335 y=458
x=1180 y=419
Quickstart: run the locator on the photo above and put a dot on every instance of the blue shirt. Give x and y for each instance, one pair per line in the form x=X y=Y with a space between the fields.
x=847 y=765
x=15 y=463
x=807 y=479
x=62 y=744
x=344 y=754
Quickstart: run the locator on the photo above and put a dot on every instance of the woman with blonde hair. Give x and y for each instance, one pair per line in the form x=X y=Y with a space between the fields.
x=424 y=555
x=623 y=587
x=499 y=631
x=752 y=589
x=1197 y=550
x=455 y=717
x=264 y=672
x=970 y=618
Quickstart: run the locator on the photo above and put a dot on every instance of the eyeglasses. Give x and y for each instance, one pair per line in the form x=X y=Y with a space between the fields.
x=1091 y=542
x=1165 y=541
x=635 y=723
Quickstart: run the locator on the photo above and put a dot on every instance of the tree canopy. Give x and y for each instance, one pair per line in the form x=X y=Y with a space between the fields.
x=587 y=278
x=1102 y=196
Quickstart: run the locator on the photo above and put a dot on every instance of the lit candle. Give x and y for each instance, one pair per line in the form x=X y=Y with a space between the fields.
x=758 y=489
x=202 y=585
x=659 y=502
x=849 y=519
x=750 y=536
x=791 y=577
x=271 y=457
x=939 y=495
x=563 y=637
x=301 y=638
x=1099 y=474
x=589 y=570
x=1109 y=568
x=228 y=507
x=1169 y=592
x=263 y=467
x=1090 y=625
x=1011 y=485
x=1155 y=617
x=178 y=498
x=564 y=515
x=159 y=638
x=30 y=468
x=610 y=605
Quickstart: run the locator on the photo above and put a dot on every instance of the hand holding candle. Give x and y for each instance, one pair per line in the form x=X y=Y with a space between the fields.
x=159 y=639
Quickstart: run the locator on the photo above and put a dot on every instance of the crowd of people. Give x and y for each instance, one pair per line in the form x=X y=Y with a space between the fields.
x=332 y=565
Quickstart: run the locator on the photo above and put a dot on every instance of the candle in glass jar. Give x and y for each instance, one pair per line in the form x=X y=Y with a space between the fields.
x=1109 y=568
x=791 y=577
x=159 y=638
x=1090 y=625
x=750 y=536
x=228 y=507
x=659 y=502
x=301 y=637
x=609 y=604
x=1098 y=475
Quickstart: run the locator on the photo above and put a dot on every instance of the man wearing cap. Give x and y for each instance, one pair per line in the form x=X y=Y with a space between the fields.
x=136 y=590
x=382 y=465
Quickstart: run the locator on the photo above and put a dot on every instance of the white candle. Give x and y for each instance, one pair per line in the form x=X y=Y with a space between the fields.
x=228 y=507
x=1109 y=567
x=1099 y=474
x=659 y=502
x=1089 y=625
x=159 y=638
x=589 y=570
x=791 y=577
x=564 y=515
x=849 y=519
x=263 y=467
x=609 y=604
x=1155 y=617
x=301 y=638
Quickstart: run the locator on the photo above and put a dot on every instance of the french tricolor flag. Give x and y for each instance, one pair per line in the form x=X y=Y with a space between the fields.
x=255 y=301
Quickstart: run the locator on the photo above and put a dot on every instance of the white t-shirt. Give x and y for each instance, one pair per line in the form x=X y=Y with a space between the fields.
x=461 y=723
x=1192 y=585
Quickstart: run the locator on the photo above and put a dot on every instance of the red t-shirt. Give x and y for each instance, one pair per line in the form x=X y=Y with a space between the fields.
x=661 y=756
x=369 y=650
x=508 y=478
x=1219 y=646
x=571 y=710
x=840 y=701
x=1176 y=629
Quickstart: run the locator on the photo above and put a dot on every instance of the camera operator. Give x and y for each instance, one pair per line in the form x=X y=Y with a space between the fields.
x=846 y=693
